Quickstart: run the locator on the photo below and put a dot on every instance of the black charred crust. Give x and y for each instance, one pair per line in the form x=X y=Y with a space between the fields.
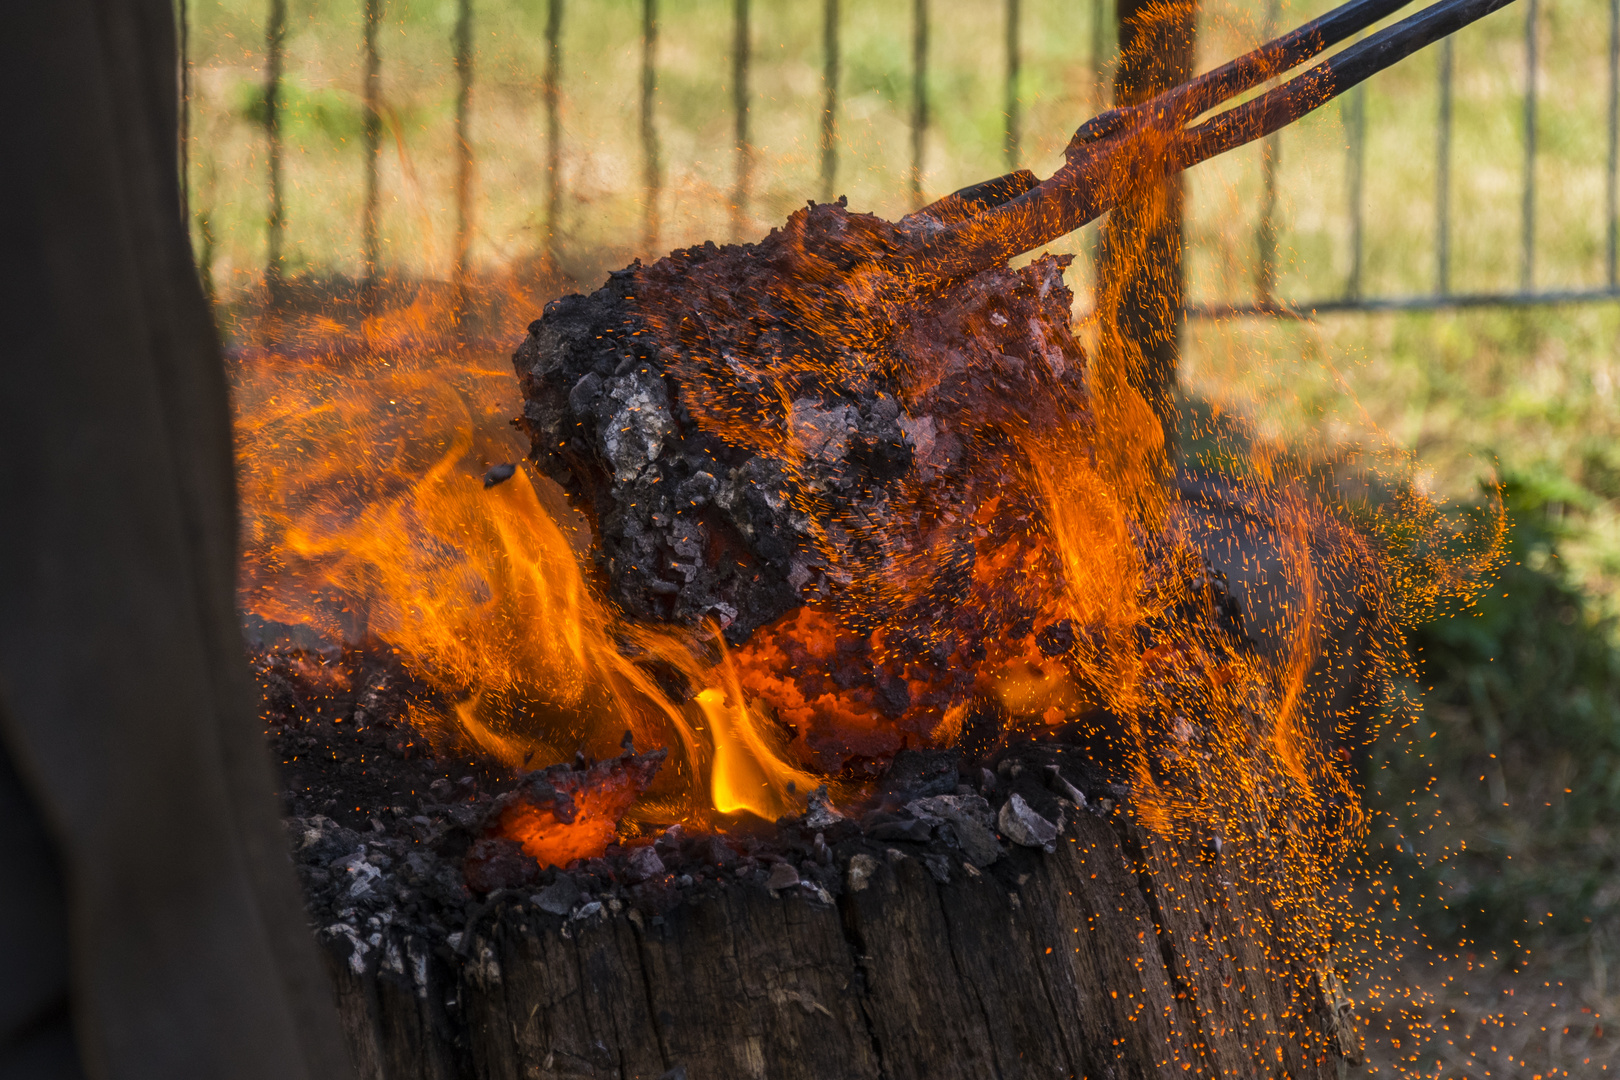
x=751 y=428
x=1056 y=638
x=590 y=369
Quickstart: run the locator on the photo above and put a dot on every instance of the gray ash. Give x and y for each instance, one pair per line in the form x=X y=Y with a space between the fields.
x=392 y=840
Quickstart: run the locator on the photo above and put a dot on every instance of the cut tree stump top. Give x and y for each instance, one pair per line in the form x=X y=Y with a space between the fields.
x=1117 y=955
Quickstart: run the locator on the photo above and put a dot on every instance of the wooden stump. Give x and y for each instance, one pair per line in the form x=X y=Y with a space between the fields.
x=1117 y=955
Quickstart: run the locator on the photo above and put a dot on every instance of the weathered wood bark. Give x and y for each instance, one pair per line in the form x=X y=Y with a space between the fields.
x=1118 y=955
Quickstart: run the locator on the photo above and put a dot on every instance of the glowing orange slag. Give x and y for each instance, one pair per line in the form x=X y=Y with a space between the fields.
x=563 y=814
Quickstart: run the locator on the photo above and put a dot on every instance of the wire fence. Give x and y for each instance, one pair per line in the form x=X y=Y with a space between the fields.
x=744 y=55
x=1353 y=298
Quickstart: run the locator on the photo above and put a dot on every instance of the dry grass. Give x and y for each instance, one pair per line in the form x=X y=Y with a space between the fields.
x=1466 y=1020
x=602 y=212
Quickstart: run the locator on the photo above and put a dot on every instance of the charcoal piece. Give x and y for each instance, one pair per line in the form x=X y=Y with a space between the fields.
x=644 y=863
x=782 y=876
x=499 y=474
x=966 y=820
x=1056 y=639
x=559 y=897
x=716 y=852
x=916 y=774
x=821 y=814
x=861 y=869
x=1058 y=785
x=320 y=839
x=418 y=867
x=499 y=863
x=1023 y=826
x=911 y=830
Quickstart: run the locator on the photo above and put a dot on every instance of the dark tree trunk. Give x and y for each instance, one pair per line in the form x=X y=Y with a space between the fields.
x=1118 y=955
x=1142 y=235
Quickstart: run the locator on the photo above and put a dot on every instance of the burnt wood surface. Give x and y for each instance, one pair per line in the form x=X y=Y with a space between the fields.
x=1117 y=955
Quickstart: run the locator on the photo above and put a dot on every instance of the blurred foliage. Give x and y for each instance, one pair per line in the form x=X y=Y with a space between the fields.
x=305 y=112
x=1501 y=799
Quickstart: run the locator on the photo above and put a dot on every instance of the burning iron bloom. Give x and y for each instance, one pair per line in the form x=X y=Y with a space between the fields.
x=854 y=488
x=919 y=515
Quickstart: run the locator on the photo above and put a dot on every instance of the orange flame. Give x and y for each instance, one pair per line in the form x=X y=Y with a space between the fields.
x=366 y=518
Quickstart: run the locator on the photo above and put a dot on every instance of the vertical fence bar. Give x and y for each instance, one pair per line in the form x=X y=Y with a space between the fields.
x=829 y=101
x=1010 y=143
x=651 y=167
x=1265 y=283
x=275 y=36
x=1099 y=102
x=1442 y=181
x=1527 y=272
x=463 y=148
x=1611 y=201
x=205 y=225
x=183 y=149
x=1356 y=122
x=1099 y=93
x=550 y=89
x=919 y=95
x=739 y=102
x=1265 y=278
x=371 y=142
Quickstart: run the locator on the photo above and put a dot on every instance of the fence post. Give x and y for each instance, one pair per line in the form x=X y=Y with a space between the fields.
x=1099 y=96
x=1442 y=183
x=205 y=225
x=1356 y=121
x=1099 y=102
x=464 y=162
x=739 y=102
x=1010 y=143
x=549 y=89
x=829 y=107
x=1265 y=285
x=275 y=33
x=1528 y=268
x=371 y=141
x=651 y=169
x=1142 y=236
x=1611 y=196
x=919 y=95
x=183 y=149
x=371 y=136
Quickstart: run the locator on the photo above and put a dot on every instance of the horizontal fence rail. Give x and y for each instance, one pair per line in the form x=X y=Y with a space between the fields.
x=743 y=60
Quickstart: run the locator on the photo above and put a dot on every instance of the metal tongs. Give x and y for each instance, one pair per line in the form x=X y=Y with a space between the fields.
x=1116 y=151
